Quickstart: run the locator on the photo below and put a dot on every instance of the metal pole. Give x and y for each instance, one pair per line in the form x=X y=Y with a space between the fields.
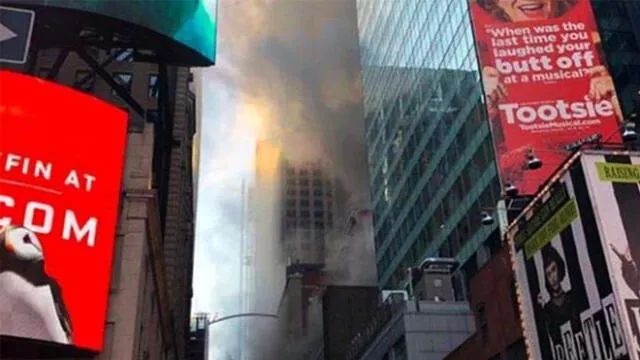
x=242 y=271
x=215 y=321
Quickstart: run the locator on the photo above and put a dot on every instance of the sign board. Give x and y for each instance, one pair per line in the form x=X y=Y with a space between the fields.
x=16 y=26
x=546 y=84
x=61 y=165
x=614 y=189
x=190 y=24
x=568 y=299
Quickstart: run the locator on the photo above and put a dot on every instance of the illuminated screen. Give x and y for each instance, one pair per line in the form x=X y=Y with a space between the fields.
x=61 y=166
x=189 y=22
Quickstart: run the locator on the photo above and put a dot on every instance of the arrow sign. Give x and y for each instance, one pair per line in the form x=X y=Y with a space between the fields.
x=6 y=33
x=16 y=26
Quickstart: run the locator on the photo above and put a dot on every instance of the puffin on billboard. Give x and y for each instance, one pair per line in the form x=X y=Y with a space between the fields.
x=61 y=165
x=546 y=83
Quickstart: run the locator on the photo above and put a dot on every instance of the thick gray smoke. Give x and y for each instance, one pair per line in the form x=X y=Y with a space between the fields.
x=295 y=65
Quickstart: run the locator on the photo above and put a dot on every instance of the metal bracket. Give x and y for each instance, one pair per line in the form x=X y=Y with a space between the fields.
x=104 y=64
x=55 y=69
x=119 y=89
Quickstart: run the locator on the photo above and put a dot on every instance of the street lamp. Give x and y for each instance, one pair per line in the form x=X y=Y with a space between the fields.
x=215 y=321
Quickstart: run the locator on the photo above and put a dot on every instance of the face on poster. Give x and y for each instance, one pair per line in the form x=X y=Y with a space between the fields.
x=614 y=181
x=546 y=83
x=61 y=163
x=568 y=304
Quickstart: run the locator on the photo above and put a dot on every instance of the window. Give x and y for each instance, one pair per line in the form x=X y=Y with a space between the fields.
x=44 y=72
x=84 y=81
x=152 y=90
x=117 y=264
x=152 y=116
x=124 y=55
x=124 y=80
x=517 y=351
x=107 y=350
x=482 y=322
x=400 y=349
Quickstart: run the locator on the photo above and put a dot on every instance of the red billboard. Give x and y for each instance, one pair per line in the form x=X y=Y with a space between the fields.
x=61 y=165
x=546 y=83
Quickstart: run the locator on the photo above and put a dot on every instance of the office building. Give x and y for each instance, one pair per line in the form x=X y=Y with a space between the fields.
x=198 y=344
x=150 y=295
x=430 y=152
x=496 y=311
x=427 y=325
x=308 y=211
x=346 y=310
x=621 y=41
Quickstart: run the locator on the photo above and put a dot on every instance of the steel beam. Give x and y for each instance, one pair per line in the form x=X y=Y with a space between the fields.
x=119 y=89
x=55 y=68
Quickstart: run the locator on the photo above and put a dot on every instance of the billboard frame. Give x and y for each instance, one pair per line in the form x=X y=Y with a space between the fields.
x=540 y=197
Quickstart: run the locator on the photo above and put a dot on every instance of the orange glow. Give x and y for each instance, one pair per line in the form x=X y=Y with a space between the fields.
x=267 y=160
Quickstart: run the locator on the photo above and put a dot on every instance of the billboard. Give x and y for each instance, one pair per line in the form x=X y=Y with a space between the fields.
x=567 y=299
x=61 y=166
x=191 y=23
x=546 y=83
x=614 y=184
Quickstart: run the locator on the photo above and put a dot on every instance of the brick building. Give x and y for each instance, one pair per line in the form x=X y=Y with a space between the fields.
x=150 y=293
x=495 y=305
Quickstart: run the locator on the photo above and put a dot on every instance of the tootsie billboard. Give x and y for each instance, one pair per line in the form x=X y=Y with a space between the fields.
x=61 y=164
x=546 y=83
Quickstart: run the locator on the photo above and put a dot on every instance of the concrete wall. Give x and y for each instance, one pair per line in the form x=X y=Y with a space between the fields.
x=428 y=334
x=346 y=310
x=493 y=289
x=149 y=301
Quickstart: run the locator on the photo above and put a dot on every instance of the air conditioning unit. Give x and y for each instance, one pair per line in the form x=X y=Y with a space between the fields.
x=394 y=295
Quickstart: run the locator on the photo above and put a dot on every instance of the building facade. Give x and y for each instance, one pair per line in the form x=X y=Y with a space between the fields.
x=430 y=153
x=308 y=210
x=346 y=310
x=150 y=293
x=496 y=311
x=198 y=345
x=400 y=330
x=621 y=41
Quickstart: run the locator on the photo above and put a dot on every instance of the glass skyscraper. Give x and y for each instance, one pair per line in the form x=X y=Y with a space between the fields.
x=430 y=153
x=621 y=40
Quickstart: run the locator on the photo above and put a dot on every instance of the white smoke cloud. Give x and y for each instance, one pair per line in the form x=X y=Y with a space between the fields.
x=286 y=69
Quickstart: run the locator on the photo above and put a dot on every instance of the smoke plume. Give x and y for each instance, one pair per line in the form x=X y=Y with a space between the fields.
x=290 y=70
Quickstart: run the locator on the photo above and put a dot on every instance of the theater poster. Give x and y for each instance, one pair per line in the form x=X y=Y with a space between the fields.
x=61 y=164
x=546 y=83
x=614 y=187
x=567 y=299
